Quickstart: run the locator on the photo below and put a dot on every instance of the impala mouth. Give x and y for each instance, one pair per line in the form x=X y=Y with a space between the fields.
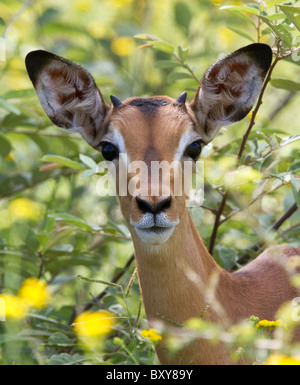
x=154 y=229
x=154 y=235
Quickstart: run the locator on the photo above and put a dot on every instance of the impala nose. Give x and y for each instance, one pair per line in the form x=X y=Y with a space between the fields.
x=153 y=208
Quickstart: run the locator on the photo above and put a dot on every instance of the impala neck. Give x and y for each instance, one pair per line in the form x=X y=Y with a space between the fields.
x=180 y=280
x=174 y=276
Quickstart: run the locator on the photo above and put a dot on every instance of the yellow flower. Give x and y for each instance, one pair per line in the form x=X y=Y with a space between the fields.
x=83 y=5
x=225 y=36
x=280 y=359
x=152 y=334
x=94 y=324
x=265 y=324
x=9 y=157
x=23 y=208
x=123 y=46
x=98 y=29
x=34 y=292
x=120 y=3
x=12 y=307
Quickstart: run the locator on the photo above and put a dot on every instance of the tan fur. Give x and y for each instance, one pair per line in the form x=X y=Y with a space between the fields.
x=174 y=279
x=176 y=276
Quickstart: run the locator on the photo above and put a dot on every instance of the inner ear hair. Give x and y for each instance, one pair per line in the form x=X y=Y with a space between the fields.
x=67 y=93
x=230 y=87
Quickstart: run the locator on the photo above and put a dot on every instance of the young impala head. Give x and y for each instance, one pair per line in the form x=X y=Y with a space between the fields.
x=152 y=129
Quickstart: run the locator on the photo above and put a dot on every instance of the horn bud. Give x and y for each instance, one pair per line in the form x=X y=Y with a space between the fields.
x=115 y=101
x=182 y=98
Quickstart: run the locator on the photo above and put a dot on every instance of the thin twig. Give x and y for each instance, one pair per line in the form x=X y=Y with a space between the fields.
x=213 y=211
x=255 y=111
x=187 y=67
x=259 y=197
x=26 y=4
x=90 y=304
x=217 y=223
x=290 y=96
x=286 y=216
x=294 y=227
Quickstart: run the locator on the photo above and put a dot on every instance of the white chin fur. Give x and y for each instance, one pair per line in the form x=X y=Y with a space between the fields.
x=155 y=236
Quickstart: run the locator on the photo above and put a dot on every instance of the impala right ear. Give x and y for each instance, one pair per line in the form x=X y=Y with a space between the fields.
x=230 y=88
x=68 y=94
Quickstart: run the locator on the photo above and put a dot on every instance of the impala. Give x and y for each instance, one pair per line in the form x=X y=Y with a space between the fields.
x=174 y=267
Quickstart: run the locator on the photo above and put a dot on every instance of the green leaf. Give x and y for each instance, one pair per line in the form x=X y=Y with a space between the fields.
x=5 y=146
x=271 y=3
x=43 y=318
x=72 y=220
x=253 y=11
x=241 y=33
x=65 y=162
x=88 y=162
x=19 y=94
x=9 y=107
x=242 y=16
x=183 y=16
x=144 y=36
x=163 y=46
x=58 y=263
x=280 y=31
x=178 y=76
x=277 y=16
x=60 y=339
x=183 y=53
x=295 y=166
x=295 y=183
x=289 y=140
x=293 y=14
x=57 y=238
x=285 y=84
x=88 y=173
x=66 y=359
x=167 y=64
x=227 y=256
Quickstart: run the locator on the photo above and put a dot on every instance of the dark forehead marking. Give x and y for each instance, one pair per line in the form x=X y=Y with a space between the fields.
x=151 y=154
x=148 y=105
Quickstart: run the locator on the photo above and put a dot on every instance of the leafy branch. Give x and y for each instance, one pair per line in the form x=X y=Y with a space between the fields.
x=218 y=222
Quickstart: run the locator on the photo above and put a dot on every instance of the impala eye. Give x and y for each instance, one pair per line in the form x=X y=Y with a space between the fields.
x=194 y=150
x=109 y=151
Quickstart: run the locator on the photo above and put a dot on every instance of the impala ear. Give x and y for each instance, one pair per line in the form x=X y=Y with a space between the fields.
x=68 y=94
x=230 y=88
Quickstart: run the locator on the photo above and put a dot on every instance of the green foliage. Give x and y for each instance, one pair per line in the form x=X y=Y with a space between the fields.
x=52 y=223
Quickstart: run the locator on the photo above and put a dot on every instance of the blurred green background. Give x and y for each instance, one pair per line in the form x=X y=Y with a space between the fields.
x=53 y=225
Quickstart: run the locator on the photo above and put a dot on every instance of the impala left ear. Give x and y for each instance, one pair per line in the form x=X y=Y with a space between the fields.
x=230 y=88
x=68 y=94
